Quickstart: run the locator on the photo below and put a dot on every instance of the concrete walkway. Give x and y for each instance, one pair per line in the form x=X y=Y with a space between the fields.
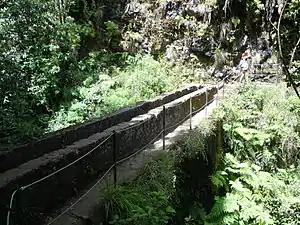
x=80 y=213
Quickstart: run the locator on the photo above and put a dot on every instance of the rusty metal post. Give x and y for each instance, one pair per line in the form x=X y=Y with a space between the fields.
x=277 y=73
x=206 y=101
x=15 y=210
x=164 y=127
x=219 y=142
x=191 y=112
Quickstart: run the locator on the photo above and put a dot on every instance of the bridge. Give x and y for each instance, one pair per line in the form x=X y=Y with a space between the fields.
x=60 y=178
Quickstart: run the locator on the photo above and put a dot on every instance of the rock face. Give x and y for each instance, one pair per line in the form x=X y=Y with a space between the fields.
x=185 y=30
x=184 y=49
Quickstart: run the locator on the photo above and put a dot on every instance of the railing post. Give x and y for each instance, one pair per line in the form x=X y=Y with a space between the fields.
x=206 y=101
x=164 y=127
x=10 y=210
x=19 y=207
x=217 y=99
x=223 y=89
x=219 y=142
x=191 y=112
x=277 y=72
x=115 y=149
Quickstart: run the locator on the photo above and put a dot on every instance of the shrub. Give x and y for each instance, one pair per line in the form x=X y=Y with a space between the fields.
x=37 y=52
x=110 y=86
x=145 y=201
x=257 y=180
x=262 y=124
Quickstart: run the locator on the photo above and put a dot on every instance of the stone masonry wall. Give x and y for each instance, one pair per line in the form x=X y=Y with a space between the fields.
x=11 y=158
x=53 y=192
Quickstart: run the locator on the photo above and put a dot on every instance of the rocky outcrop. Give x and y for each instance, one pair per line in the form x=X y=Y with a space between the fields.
x=178 y=27
x=11 y=158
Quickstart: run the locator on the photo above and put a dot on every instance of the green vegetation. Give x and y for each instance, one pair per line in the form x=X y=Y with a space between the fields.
x=147 y=200
x=289 y=31
x=108 y=87
x=263 y=125
x=63 y=61
x=37 y=56
x=255 y=180
x=254 y=196
x=259 y=177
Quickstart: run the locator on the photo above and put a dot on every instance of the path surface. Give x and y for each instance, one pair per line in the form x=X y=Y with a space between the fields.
x=80 y=213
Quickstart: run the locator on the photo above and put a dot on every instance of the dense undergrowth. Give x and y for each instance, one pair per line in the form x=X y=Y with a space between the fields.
x=259 y=177
x=63 y=61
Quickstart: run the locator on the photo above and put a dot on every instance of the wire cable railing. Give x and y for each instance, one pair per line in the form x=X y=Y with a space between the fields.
x=135 y=125
x=102 y=177
x=162 y=132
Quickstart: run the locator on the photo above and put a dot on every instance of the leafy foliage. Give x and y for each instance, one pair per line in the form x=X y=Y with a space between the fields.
x=254 y=196
x=258 y=181
x=262 y=125
x=38 y=52
x=161 y=194
x=109 y=87
x=289 y=31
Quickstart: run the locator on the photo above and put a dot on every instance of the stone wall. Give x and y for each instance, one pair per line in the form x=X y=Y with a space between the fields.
x=11 y=158
x=51 y=193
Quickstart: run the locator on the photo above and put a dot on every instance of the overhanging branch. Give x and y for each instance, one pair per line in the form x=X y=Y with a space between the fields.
x=287 y=71
x=293 y=53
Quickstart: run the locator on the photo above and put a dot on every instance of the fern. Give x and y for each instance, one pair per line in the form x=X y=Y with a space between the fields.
x=261 y=133
x=218 y=179
x=255 y=196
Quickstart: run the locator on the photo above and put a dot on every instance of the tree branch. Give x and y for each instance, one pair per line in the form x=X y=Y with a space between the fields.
x=278 y=30
x=293 y=53
x=288 y=74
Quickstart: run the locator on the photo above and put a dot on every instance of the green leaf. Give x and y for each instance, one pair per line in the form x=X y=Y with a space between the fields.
x=169 y=209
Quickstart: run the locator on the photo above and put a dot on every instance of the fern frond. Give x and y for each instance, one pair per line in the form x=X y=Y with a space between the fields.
x=218 y=179
x=218 y=209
